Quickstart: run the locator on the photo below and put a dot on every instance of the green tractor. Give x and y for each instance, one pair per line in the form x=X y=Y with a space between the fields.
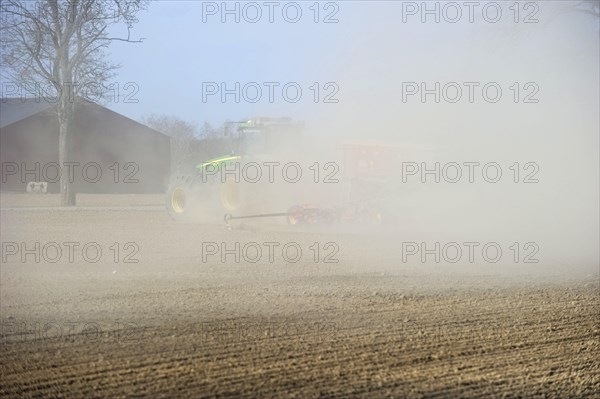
x=219 y=186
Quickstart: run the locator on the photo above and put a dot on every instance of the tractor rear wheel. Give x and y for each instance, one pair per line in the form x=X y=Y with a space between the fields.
x=189 y=200
x=230 y=195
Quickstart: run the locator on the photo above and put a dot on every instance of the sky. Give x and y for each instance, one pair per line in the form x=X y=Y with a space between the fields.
x=364 y=57
x=181 y=52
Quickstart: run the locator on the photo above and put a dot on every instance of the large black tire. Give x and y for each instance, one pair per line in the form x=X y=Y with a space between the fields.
x=184 y=198
x=231 y=196
x=189 y=200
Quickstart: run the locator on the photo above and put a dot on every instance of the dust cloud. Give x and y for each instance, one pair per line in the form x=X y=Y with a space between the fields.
x=540 y=132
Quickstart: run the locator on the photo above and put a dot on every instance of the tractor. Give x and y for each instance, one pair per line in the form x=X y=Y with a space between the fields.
x=367 y=191
x=215 y=187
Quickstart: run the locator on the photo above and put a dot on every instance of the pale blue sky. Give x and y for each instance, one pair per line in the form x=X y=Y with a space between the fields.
x=180 y=52
x=368 y=53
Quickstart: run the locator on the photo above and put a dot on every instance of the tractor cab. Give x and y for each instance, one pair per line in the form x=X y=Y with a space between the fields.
x=264 y=136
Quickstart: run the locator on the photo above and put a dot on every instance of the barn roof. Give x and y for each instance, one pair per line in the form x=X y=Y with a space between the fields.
x=15 y=109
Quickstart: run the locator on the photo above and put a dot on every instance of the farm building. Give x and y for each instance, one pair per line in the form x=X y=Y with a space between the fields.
x=111 y=153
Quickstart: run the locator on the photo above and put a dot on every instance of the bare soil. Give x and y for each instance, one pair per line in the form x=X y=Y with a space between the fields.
x=177 y=325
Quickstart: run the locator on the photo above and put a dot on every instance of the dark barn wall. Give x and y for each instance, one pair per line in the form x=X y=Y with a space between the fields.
x=25 y=143
x=132 y=158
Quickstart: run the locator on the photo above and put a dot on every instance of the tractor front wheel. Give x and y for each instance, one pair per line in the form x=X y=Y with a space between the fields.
x=183 y=199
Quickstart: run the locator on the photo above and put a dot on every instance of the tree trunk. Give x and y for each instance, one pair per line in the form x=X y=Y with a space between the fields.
x=66 y=113
x=67 y=192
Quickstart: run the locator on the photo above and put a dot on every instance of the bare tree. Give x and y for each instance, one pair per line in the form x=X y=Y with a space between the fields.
x=590 y=7
x=183 y=139
x=61 y=44
x=190 y=144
